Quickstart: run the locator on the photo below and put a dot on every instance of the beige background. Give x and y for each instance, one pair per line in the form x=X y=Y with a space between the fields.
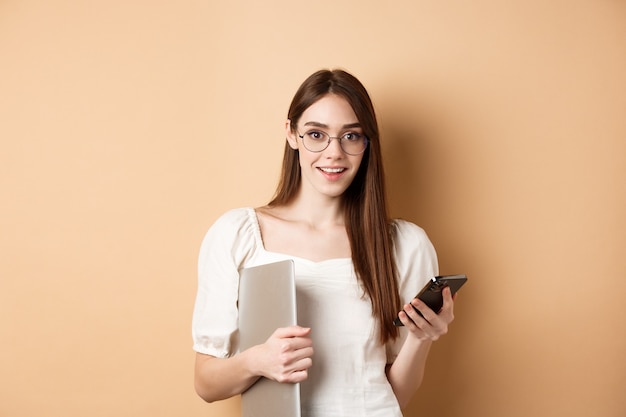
x=127 y=127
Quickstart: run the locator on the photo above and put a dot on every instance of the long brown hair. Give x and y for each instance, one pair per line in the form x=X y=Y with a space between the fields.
x=364 y=202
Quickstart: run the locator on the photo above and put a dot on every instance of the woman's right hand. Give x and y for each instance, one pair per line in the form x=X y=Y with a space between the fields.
x=286 y=355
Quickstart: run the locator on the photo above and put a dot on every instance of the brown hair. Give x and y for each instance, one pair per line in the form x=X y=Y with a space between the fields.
x=364 y=202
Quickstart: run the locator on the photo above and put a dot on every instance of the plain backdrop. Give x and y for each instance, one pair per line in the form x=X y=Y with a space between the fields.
x=128 y=127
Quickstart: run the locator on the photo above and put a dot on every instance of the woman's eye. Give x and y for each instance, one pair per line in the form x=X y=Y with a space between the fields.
x=352 y=137
x=316 y=135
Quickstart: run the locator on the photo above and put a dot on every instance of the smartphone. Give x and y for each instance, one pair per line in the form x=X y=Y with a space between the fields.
x=431 y=293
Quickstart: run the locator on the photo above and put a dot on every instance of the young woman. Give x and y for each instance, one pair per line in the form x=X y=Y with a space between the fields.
x=354 y=268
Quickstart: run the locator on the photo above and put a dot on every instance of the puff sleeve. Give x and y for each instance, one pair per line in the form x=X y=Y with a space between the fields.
x=416 y=261
x=223 y=252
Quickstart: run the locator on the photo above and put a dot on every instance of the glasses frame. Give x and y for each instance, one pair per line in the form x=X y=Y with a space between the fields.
x=339 y=138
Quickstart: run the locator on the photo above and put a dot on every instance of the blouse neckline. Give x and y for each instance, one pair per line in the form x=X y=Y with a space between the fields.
x=259 y=238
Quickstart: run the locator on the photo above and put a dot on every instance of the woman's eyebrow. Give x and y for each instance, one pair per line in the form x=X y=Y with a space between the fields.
x=323 y=125
x=316 y=124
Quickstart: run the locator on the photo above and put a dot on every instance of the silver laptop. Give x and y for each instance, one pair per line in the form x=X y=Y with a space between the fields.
x=267 y=301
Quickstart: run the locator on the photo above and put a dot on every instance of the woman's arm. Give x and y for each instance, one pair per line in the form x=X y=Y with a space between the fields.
x=407 y=371
x=285 y=357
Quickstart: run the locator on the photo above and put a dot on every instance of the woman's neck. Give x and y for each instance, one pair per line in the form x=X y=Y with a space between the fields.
x=318 y=213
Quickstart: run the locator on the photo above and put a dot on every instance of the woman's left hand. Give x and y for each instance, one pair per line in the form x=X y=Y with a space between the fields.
x=432 y=325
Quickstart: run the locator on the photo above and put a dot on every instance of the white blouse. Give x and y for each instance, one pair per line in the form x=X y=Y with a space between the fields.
x=348 y=373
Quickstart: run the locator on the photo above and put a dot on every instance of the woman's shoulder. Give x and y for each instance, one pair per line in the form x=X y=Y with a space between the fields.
x=234 y=222
x=411 y=242
x=235 y=231
x=416 y=257
x=235 y=215
x=405 y=230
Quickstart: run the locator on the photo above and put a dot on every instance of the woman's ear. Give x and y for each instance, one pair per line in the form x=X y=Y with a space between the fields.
x=291 y=137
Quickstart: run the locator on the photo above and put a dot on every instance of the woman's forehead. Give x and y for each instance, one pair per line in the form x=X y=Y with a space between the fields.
x=329 y=111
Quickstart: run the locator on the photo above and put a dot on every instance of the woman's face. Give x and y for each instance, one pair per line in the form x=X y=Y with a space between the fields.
x=331 y=171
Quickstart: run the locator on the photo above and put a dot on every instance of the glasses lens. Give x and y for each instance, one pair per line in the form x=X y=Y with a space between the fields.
x=315 y=141
x=353 y=143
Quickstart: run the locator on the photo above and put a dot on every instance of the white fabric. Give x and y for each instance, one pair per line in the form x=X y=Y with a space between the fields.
x=348 y=373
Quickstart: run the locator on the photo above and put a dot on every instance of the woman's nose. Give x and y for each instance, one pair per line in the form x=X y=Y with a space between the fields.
x=334 y=147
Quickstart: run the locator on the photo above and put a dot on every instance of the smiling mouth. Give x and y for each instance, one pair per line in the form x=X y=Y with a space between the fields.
x=332 y=170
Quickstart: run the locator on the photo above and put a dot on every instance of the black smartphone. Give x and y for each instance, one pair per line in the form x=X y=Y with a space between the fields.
x=431 y=293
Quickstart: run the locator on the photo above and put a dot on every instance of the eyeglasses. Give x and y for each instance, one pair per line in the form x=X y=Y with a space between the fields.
x=351 y=143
